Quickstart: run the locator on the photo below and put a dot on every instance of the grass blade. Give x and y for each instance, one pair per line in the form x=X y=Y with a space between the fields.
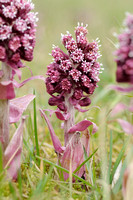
x=87 y=159
x=88 y=166
x=61 y=173
x=41 y=185
x=20 y=182
x=1 y=159
x=65 y=170
x=31 y=153
x=110 y=158
x=35 y=125
x=12 y=190
x=121 y=154
x=118 y=184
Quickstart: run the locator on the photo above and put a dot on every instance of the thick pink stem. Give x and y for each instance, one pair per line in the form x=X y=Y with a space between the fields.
x=4 y=109
x=70 y=122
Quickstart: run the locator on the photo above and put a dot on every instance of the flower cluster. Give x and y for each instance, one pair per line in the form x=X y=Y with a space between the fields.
x=17 y=31
x=75 y=72
x=125 y=52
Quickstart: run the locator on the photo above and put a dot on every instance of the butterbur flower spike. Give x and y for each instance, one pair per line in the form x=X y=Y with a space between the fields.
x=77 y=71
x=124 y=53
x=124 y=60
x=17 y=32
x=71 y=78
x=17 y=41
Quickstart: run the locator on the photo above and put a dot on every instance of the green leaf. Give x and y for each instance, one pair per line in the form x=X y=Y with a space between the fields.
x=119 y=158
x=110 y=158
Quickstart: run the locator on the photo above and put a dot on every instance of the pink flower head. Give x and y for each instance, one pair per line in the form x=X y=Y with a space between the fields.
x=129 y=21
x=75 y=74
x=78 y=67
x=65 y=65
x=124 y=53
x=10 y=11
x=66 y=84
x=20 y=25
x=86 y=81
x=14 y=43
x=71 y=45
x=77 y=56
x=5 y=32
x=17 y=30
x=78 y=93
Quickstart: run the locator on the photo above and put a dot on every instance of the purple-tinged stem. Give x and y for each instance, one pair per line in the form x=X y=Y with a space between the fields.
x=70 y=122
x=4 y=109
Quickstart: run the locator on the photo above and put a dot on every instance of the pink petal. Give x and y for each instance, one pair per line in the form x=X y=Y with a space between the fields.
x=62 y=116
x=126 y=126
x=59 y=114
x=118 y=108
x=51 y=112
x=73 y=155
x=18 y=85
x=78 y=107
x=95 y=128
x=81 y=126
x=57 y=145
x=85 y=139
x=85 y=101
x=12 y=154
x=7 y=90
x=18 y=72
x=18 y=106
x=121 y=89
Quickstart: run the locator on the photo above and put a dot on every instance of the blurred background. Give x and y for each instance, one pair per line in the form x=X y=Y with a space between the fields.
x=103 y=17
